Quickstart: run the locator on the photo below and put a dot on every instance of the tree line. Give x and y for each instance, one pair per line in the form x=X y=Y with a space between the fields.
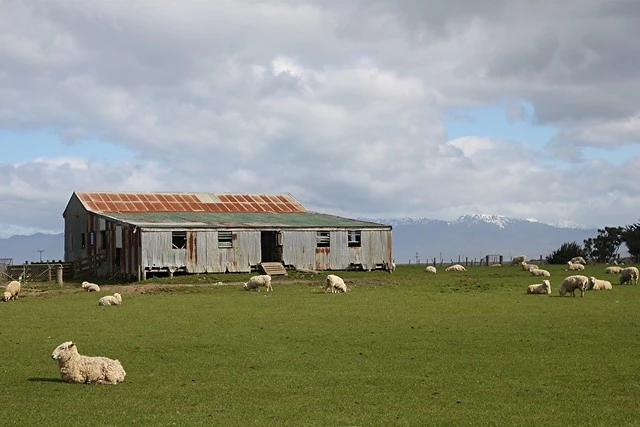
x=604 y=248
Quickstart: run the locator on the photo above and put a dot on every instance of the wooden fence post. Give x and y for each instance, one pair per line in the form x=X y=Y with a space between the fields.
x=59 y=275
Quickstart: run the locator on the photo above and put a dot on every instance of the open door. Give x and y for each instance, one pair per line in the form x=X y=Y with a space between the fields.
x=271 y=246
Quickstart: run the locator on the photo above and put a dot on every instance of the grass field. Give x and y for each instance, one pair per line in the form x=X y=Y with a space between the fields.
x=464 y=348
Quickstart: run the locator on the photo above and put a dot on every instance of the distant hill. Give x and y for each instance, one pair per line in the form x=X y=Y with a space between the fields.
x=472 y=236
x=25 y=248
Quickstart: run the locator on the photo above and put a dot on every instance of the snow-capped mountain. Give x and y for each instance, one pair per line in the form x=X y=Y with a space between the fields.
x=475 y=235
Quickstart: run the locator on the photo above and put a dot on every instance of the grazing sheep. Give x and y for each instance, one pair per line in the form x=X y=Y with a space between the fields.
x=335 y=284
x=571 y=283
x=115 y=299
x=12 y=290
x=518 y=260
x=539 y=272
x=578 y=260
x=76 y=368
x=613 y=269
x=256 y=281
x=90 y=287
x=392 y=267
x=540 y=288
x=574 y=267
x=629 y=275
x=431 y=269
x=598 y=285
x=527 y=267
x=455 y=267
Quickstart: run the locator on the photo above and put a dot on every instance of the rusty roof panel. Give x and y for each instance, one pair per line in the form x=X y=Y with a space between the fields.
x=189 y=202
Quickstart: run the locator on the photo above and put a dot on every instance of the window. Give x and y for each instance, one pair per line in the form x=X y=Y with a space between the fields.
x=92 y=238
x=103 y=238
x=225 y=239
x=179 y=239
x=322 y=239
x=354 y=239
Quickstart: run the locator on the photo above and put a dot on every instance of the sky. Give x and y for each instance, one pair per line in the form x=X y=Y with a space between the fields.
x=359 y=108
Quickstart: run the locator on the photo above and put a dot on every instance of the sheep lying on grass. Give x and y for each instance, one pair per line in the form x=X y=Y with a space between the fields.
x=540 y=288
x=613 y=269
x=431 y=269
x=257 y=281
x=76 y=368
x=115 y=299
x=539 y=272
x=598 y=285
x=518 y=260
x=335 y=284
x=571 y=266
x=90 y=287
x=455 y=267
x=578 y=260
x=629 y=275
x=571 y=283
x=528 y=267
x=12 y=290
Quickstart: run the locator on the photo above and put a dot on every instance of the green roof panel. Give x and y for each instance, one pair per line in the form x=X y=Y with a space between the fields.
x=239 y=220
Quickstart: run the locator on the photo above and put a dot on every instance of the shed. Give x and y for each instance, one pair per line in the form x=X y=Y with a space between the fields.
x=123 y=234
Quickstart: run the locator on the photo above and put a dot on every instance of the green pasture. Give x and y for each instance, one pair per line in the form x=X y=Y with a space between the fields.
x=409 y=348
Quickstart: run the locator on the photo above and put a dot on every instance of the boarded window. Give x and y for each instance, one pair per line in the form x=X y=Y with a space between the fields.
x=322 y=239
x=225 y=239
x=179 y=239
x=354 y=239
x=103 y=238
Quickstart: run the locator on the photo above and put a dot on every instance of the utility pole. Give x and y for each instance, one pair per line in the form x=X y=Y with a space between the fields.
x=40 y=251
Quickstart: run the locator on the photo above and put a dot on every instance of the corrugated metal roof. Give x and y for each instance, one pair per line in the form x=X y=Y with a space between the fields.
x=109 y=202
x=239 y=220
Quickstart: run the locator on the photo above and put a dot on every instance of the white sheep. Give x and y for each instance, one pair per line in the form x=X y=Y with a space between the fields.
x=539 y=272
x=392 y=267
x=11 y=291
x=598 y=285
x=335 y=284
x=517 y=260
x=571 y=266
x=90 y=287
x=256 y=282
x=540 y=288
x=455 y=267
x=613 y=269
x=76 y=368
x=629 y=275
x=431 y=269
x=115 y=299
x=578 y=260
x=571 y=283
x=527 y=267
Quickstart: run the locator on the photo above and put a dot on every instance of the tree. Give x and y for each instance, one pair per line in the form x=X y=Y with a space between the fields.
x=605 y=246
x=567 y=251
x=631 y=238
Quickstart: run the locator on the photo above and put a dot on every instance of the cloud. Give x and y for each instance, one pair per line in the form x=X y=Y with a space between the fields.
x=340 y=103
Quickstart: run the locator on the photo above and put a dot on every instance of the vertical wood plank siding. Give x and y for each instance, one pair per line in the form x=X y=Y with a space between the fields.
x=202 y=254
x=299 y=250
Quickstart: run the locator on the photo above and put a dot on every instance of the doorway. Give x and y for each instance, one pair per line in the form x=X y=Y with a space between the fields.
x=271 y=246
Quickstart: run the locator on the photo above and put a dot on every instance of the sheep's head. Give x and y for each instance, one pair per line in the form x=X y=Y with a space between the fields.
x=62 y=350
x=245 y=285
x=118 y=296
x=6 y=296
x=85 y=284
